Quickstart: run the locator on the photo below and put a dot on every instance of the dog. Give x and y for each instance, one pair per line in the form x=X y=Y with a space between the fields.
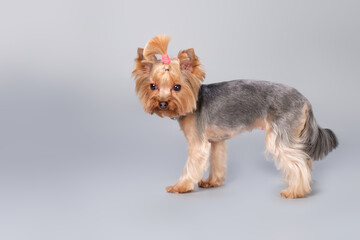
x=210 y=114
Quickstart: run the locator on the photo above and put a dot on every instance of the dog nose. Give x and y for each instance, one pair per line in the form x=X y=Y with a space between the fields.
x=163 y=105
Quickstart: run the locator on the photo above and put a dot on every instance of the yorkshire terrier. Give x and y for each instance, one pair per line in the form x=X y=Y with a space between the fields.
x=210 y=114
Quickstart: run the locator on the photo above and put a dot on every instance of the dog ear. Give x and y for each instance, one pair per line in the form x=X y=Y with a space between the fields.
x=186 y=58
x=140 y=63
x=190 y=62
x=141 y=70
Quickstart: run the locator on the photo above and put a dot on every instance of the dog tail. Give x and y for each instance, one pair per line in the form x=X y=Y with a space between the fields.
x=318 y=141
x=156 y=45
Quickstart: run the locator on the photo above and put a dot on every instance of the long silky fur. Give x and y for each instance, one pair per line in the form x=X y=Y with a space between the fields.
x=157 y=45
x=185 y=70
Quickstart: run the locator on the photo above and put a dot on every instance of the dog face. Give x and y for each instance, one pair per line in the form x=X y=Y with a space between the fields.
x=167 y=88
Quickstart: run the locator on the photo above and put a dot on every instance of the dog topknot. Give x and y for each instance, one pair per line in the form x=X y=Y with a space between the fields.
x=157 y=45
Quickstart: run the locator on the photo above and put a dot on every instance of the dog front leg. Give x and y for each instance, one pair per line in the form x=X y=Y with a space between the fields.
x=217 y=166
x=194 y=168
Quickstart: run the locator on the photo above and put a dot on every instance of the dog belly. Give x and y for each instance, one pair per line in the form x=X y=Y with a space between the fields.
x=218 y=133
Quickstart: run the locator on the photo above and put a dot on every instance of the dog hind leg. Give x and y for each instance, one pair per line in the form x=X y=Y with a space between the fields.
x=292 y=160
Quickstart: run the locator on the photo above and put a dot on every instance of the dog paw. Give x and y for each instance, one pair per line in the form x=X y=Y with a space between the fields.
x=180 y=187
x=288 y=193
x=206 y=183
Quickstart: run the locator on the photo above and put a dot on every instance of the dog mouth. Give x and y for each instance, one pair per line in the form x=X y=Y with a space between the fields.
x=169 y=111
x=170 y=108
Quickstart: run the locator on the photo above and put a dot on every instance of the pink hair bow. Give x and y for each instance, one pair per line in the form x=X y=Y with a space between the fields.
x=165 y=59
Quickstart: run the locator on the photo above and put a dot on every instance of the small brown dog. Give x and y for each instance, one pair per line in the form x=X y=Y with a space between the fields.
x=210 y=114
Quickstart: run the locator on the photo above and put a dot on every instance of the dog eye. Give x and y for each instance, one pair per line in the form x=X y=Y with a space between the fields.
x=177 y=88
x=153 y=86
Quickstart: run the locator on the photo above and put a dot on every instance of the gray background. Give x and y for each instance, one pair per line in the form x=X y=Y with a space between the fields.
x=80 y=160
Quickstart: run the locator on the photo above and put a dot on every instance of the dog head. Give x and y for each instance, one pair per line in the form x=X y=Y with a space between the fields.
x=167 y=87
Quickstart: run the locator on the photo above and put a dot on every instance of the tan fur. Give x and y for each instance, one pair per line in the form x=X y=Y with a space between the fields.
x=217 y=166
x=190 y=62
x=148 y=70
x=258 y=123
x=303 y=120
x=215 y=134
x=198 y=154
x=156 y=45
x=292 y=161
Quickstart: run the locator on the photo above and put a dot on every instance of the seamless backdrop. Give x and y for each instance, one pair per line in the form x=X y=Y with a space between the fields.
x=80 y=160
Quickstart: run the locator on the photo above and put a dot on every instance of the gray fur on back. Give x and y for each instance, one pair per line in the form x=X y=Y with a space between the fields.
x=239 y=102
